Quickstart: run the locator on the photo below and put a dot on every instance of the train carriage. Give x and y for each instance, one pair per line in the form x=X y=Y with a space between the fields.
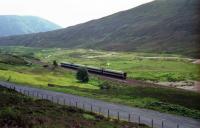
x=100 y=71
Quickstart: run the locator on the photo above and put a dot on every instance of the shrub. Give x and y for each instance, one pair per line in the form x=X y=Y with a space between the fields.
x=82 y=75
x=55 y=64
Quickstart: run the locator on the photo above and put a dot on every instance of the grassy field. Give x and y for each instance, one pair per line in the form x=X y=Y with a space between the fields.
x=173 y=100
x=18 y=110
x=142 y=66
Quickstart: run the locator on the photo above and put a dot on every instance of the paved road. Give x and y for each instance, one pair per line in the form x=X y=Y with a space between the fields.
x=124 y=112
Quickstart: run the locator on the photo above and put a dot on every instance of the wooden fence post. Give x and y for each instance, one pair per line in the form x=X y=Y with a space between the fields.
x=139 y=120
x=162 y=124
x=177 y=125
x=91 y=107
x=152 y=123
x=129 y=117
x=83 y=106
x=118 y=116
x=99 y=110
x=108 y=113
x=70 y=104
x=76 y=104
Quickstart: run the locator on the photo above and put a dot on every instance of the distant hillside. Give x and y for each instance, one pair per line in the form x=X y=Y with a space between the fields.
x=16 y=25
x=166 y=26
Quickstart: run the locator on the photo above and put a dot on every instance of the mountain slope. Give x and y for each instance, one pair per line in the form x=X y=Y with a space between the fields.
x=16 y=25
x=160 y=26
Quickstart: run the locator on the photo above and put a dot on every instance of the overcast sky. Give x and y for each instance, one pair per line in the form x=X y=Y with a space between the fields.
x=67 y=12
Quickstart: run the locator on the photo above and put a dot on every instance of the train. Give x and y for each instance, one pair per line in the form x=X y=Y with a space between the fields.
x=95 y=70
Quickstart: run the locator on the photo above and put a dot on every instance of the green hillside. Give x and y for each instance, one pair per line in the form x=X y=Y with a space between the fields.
x=162 y=26
x=16 y=25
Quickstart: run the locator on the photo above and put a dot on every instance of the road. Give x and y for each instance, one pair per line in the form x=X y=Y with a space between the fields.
x=145 y=116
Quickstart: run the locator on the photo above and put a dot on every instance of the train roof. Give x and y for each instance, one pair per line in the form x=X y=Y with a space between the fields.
x=109 y=70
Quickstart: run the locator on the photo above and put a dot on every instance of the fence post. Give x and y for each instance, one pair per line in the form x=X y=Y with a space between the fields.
x=139 y=120
x=64 y=101
x=108 y=113
x=37 y=95
x=129 y=117
x=162 y=124
x=91 y=108
x=76 y=105
x=83 y=106
x=28 y=92
x=118 y=116
x=152 y=123
x=99 y=110
x=70 y=104
x=177 y=125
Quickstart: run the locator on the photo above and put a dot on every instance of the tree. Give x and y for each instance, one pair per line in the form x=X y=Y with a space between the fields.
x=55 y=64
x=82 y=75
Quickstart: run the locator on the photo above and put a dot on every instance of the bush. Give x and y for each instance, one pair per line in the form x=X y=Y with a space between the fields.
x=82 y=75
x=55 y=64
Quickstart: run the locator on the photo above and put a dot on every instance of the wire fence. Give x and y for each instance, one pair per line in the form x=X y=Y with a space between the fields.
x=106 y=112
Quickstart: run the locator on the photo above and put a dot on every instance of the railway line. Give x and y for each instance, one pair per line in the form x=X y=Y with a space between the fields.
x=95 y=70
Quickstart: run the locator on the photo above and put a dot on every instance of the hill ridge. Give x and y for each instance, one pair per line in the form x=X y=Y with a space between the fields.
x=160 y=26
x=18 y=25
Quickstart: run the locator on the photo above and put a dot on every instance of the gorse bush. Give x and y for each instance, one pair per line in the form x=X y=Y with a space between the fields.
x=82 y=75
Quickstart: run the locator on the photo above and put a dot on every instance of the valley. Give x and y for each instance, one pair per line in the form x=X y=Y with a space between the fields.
x=110 y=65
x=24 y=65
